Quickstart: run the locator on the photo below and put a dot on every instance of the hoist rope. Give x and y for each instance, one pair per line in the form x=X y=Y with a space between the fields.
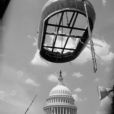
x=30 y=104
x=91 y=42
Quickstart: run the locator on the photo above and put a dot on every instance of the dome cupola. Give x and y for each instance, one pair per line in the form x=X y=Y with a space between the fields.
x=60 y=89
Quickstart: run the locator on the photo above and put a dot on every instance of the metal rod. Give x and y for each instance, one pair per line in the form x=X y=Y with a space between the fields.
x=57 y=30
x=59 y=48
x=71 y=19
x=65 y=35
x=70 y=31
x=81 y=29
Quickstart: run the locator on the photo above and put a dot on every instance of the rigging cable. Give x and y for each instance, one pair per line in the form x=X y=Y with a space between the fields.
x=30 y=104
x=91 y=41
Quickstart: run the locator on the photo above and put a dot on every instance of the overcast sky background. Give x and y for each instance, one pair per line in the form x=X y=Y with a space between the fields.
x=23 y=73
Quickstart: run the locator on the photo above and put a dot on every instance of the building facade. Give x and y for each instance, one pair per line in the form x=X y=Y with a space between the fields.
x=60 y=100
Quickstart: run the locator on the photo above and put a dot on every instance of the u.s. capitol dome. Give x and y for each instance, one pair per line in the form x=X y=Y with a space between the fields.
x=60 y=100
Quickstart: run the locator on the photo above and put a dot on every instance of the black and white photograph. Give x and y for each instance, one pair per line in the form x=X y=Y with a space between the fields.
x=56 y=56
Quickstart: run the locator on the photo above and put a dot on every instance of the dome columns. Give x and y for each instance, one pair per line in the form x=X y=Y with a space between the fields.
x=61 y=110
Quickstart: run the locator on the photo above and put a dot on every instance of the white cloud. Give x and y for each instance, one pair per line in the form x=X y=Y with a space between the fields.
x=75 y=96
x=102 y=50
x=108 y=57
x=1 y=92
x=78 y=99
x=53 y=78
x=31 y=82
x=104 y=2
x=96 y=80
x=78 y=90
x=20 y=74
x=13 y=94
x=11 y=98
x=84 y=57
x=77 y=75
x=98 y=112
x=4 y=94
x=37 y=60
x=34 y=38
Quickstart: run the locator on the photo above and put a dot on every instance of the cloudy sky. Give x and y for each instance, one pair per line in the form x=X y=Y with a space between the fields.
x=23 y=73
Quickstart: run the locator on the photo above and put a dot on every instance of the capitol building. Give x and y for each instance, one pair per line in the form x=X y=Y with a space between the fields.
x=60 y=100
